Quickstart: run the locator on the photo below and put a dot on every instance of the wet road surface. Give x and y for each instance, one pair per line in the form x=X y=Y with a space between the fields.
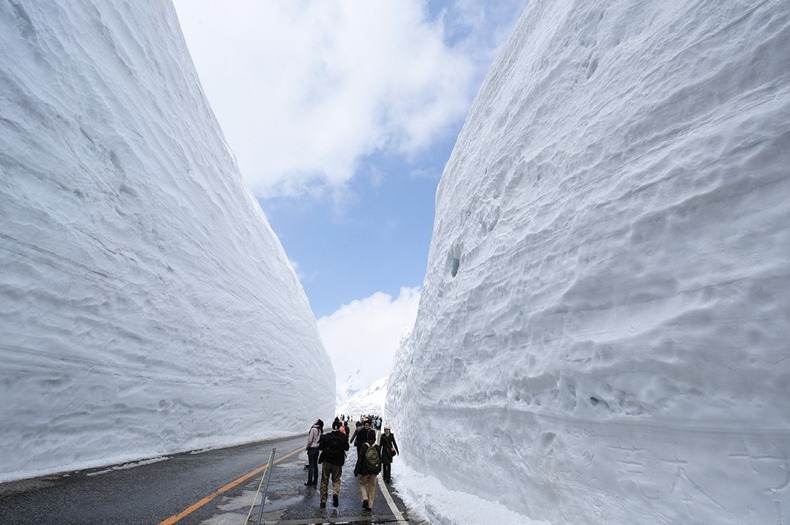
x=290 y=502
x=215 y=487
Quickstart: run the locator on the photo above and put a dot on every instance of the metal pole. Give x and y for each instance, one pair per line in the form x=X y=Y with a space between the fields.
x=268 y=476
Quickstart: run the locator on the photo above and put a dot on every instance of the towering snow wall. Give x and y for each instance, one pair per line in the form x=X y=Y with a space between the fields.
x=146 y=306
x=604 y=329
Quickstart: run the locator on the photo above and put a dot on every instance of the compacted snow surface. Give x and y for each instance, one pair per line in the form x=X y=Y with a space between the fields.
x=146 y=306
x=604 y=328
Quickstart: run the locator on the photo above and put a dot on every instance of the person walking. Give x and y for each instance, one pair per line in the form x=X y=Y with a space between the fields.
x=389 y=449
x=313 y=440
x=357 y=428
x=333 y=447
x=363 y=434
x=339 y=425
x=367 y=468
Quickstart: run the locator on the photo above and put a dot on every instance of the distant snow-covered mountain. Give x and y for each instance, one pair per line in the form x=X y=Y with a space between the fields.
x=349 y=385
x=361 y=337
x=369 y=401
x=146 y=306
x=603 y=328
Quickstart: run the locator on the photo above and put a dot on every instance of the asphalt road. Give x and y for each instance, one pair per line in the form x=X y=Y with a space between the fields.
x=215 y=487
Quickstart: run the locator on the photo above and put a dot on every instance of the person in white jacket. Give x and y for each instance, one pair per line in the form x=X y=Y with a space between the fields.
x=313 y=439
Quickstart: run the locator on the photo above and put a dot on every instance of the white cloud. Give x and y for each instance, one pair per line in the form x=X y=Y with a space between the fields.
x=304 y=90
x=365 y=334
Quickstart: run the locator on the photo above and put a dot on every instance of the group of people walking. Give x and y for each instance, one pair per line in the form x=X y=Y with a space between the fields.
x=330 y=451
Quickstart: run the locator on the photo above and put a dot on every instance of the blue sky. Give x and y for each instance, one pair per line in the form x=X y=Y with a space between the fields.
x=378 y=241
x=342 y=115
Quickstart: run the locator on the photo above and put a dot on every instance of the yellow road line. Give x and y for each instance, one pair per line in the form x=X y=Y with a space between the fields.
x=192 y=508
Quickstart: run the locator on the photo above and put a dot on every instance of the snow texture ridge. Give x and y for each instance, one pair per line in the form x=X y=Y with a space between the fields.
x=146 y=306
x=604 y=324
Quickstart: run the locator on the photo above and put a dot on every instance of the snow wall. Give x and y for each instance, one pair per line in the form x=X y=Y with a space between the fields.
x=604 y=330
x=146 y=306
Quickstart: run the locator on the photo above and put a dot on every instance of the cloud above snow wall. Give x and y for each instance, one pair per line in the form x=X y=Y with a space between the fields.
x=146 y=306
x=603 y=329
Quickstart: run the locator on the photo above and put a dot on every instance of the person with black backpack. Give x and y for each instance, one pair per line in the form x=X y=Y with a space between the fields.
x=333 y=446
x=367 y=468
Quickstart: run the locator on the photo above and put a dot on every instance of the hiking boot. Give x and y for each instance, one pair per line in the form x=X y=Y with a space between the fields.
x=365 y=505
x=335 y=501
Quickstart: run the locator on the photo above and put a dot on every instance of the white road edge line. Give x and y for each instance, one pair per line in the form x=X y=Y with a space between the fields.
x=393 y=507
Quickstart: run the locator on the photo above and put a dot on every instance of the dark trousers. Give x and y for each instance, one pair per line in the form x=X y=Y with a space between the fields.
x=312 y=469
x=386 y=470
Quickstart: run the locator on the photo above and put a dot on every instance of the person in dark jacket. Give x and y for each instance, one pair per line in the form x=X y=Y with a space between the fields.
x=363 y=435
x=367 y=474
x=389 y=448
x=357 y=428
x=333 y=447
x=339 y=425
x=313 y=439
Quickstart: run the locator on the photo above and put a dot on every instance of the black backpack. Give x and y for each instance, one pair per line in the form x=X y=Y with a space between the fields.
x=333 y=448
x=335 y=442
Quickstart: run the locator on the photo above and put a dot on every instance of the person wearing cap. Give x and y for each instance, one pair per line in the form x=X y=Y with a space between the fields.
x=389 y=448
x=313 y=439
